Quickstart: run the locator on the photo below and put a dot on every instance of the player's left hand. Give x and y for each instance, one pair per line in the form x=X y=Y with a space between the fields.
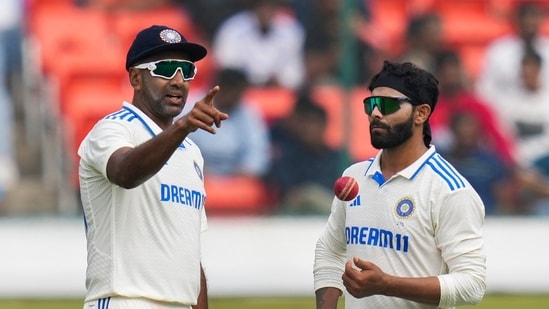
x=363 y=279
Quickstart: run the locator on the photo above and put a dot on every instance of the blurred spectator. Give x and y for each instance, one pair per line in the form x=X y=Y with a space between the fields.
x=11 y=33
x=10 y=66
x=526 y=109
x=423 y=40
x=482 y=166
x=8 y=164
x=304 y=168
x=209 y=14
x=321 y=20
x=455 y=97
x=241 y=146
x=265 y=42
x=124 y=4
x=325 y=53
x=503 y=57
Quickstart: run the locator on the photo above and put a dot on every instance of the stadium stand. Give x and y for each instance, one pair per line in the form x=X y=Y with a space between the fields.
x=332 y=99
x=274 y=102
x=236 y=196
x=79 y=53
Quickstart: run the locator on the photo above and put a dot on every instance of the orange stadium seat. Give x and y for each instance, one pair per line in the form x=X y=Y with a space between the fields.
x=235 y=196
x=388 y=24
x=97 y=70
x=469 y=22
x=332 y=98
x=54 y=30
x=472 y=57
x=275 y=103
x=90 y=100
x=360 y=147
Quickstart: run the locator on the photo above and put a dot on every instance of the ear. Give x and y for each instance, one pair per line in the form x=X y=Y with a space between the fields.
x=136 y=78
x=423 y=112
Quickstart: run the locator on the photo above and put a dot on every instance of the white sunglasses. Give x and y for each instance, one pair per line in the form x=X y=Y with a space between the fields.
x=167 y=68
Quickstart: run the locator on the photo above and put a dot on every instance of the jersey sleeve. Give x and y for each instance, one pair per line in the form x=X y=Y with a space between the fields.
x=330 y=252
x=459 y=228
x=104 y=139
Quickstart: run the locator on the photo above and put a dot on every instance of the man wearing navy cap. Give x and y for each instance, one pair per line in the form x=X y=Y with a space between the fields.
x=142 y=185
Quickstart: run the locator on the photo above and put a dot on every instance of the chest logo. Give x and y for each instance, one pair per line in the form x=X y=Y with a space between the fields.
x=405 y=208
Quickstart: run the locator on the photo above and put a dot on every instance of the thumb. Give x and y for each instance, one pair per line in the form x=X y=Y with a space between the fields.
x=361 y=263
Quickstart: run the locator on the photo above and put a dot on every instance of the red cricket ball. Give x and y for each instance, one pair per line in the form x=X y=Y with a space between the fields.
x=346 y=188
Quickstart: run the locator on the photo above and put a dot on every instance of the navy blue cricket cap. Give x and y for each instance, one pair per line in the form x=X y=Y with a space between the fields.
x=156 y=39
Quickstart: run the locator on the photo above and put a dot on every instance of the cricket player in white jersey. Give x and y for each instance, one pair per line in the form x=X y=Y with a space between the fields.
x=142 y=186
x=413 y=237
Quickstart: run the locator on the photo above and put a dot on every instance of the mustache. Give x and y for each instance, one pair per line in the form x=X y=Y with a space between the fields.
x=376 y=123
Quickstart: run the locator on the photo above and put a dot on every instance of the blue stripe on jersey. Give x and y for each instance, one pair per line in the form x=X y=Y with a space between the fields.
x=371 y=160
x=146 y=125
x=103 y=303
x=140 y=119
x=446 y=172
x=122 y=115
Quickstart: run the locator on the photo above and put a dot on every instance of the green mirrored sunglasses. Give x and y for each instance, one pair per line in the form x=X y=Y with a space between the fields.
x=386 y=105
x=167 y=68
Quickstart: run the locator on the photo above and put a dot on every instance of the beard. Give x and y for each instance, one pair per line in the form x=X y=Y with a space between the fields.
x=159 y=107
x=393 y=136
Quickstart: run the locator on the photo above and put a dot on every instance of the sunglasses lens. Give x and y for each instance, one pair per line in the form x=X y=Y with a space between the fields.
x=386 y=105
x=168 y=69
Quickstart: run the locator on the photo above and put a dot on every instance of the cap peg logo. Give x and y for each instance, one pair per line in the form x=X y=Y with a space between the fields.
x=170 y=36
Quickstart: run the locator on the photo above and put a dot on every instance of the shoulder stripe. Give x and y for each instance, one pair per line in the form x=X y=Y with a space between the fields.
x=122 y=114
x=371 y=160
x=446 y=172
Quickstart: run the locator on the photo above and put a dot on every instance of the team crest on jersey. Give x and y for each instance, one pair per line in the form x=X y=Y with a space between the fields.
x=405 y=208
x=198 y=170
x=170 y=36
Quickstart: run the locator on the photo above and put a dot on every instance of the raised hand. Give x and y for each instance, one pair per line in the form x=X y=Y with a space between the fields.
x=204 y=115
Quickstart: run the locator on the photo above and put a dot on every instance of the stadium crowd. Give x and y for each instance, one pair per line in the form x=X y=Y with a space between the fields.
x=294 y=73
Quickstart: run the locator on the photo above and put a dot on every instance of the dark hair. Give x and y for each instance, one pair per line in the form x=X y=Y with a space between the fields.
x=417 y=24
x=231 y=77
x=416 y=83
x=447 y=57
x=306 y=106
x=526 y=8
x=422 y=84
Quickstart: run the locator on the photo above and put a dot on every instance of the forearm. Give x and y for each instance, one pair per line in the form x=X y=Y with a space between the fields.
x=422 y=290
x=130 y=167
x=327 y=298
x=202 y=302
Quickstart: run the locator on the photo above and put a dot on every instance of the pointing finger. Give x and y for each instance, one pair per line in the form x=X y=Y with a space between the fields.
x=208 y=99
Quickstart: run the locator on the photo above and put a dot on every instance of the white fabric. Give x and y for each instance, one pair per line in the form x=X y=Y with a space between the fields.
x=142 y=242
x=130 y=303
x=240 y=44
x=424 y=221
x=532 y=109
x=501 y=67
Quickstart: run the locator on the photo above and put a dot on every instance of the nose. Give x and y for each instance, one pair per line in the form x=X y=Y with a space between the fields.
x=178 y=78
x=376 y=113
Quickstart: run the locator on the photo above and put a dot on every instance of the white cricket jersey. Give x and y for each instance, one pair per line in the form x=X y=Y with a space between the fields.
x=426 y=220
x=142 y=242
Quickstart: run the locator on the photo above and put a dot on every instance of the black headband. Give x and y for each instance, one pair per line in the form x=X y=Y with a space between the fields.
x=386 y=79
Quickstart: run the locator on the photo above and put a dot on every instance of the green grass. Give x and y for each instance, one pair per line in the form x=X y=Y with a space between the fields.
x=493 y=301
